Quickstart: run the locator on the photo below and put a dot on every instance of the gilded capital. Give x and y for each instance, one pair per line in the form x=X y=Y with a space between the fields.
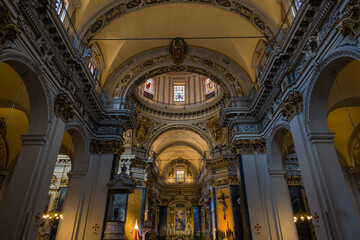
x=9 y=30
x=107 y=146
x=291 y=105
x=249 y=146
x=64 y=107
x=349 y=23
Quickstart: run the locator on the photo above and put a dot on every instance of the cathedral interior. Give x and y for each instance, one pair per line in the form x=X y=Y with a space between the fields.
x=179 y=119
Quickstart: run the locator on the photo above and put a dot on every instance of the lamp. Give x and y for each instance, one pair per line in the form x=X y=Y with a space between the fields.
x=301 y=215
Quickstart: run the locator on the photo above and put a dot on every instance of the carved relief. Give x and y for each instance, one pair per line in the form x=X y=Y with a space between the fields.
x=142 y=130
x=64 y=107
x=216 y=131
x=291 y=105
x=9 y=31
x=107 y=146
x=249 y=146
x=349 y=23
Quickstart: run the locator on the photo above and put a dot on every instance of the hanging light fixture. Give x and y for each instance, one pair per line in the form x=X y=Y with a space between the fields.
x=301 y=215
x=51 y=216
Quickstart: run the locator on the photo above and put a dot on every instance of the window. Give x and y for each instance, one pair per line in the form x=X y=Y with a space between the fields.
x=149 y=86
x=209 y=86
x=180 y=176
x=179 y=93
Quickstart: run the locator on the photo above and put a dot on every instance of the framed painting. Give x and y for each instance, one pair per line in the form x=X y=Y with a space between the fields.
x=180 y=220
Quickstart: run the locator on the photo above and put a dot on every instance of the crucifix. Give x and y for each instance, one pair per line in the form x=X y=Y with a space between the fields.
x=223 y=202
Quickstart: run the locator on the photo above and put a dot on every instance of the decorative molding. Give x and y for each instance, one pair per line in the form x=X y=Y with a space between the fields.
x=236 y=7
x=249 y=146
x=291 y=105
x=9 y=30
x=107 y=146
x=7 y=56
x=64 y=107
x=214 y=65
x=349 y=23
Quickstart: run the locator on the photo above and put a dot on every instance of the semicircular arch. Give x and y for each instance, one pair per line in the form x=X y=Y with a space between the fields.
x=114 y=10
x=229 y=75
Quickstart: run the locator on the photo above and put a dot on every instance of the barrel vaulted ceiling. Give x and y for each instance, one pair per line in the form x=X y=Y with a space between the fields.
x=162 y=19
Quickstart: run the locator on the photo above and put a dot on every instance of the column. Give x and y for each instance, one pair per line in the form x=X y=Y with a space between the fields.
x=328 y=195
x=255 y=183
x=101 y=162
x=27 y=193
x=282 y=205
x=72 y=208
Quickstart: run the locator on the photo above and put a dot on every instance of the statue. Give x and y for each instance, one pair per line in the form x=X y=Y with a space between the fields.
x=141 y=134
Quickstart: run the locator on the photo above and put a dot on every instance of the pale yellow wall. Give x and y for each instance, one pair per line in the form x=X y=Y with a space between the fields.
x=340 y=124
x=10 y=83
x=133 y=212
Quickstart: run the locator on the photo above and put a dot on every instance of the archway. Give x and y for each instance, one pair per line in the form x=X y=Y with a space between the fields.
x=328 y=102
x=290 y=201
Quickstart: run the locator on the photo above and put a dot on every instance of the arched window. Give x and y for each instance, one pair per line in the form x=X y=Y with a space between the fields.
x=179 y=93
x=180 y=176
x=209 y=89
x=209 y=86
x=149 y=86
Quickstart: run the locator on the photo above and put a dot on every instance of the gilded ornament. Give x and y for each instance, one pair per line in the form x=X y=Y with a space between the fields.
x=9 y=30
x=64 y=107
x=249 y=146
x=178 y=50
x=107 y=146
x=291 y=105
x=142 y=130
x=349 y=23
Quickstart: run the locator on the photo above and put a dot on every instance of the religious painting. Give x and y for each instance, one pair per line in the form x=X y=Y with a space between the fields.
x=209 y=86
x=180 y=220
x=178 y=50
x=224 y=210
x=179 y=93
x=149 y=86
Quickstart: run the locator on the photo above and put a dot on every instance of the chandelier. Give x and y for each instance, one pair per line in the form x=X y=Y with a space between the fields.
x=301 y=215
x=51 y=216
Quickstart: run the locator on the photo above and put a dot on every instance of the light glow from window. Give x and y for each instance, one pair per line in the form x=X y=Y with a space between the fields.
x=209 y=86
x=149 y=86
x=179 y=93
x=180 y=176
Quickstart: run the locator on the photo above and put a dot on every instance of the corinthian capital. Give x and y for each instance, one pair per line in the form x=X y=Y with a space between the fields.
x=9 y=30
x=348 y=24
x=107 y=146
x=291 y=105
x=249 y=146
x=64 y=107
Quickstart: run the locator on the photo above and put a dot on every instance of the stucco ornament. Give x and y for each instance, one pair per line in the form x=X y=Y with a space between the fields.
x=291 y=105
x=249 y=146
x=9 y=30
x=349 y=23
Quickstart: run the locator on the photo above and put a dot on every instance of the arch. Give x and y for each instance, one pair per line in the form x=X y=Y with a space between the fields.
x=81 y=147
x=113 y=11
x=220 y=68
x=276 y=147
x=175 y=127
x=315 y=105
x=180 y=144
x=37 y=88
x=281 y=125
